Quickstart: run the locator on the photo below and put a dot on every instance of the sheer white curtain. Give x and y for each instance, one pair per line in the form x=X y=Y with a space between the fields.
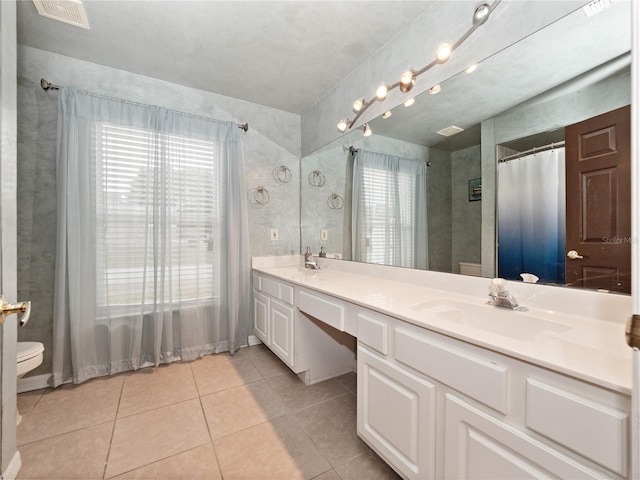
x=389 y=210
x=152 y=260
x=531 y=216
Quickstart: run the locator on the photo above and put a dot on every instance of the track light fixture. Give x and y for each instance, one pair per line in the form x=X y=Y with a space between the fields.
x=408 y=78
x=409 y=101
x=407 y=81
x=358 y=104
x=481 y=13
x=443 y=53
x=381 y=92
x=366 y=130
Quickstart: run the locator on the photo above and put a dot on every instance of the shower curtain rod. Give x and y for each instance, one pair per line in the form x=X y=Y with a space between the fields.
x=515 y=156
x=50 y=86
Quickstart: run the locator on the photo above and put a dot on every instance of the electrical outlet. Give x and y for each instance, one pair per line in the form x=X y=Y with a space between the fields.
x=274 y=234
x=324 y=235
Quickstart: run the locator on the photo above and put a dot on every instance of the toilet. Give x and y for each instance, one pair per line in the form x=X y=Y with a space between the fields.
x=30 y=355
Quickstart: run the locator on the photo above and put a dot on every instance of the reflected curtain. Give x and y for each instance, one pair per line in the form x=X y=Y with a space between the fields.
x=531 y=216
x=389 y=210
x=152 y=260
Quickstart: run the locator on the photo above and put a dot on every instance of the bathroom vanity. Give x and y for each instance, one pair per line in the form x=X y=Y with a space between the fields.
x=449 y=387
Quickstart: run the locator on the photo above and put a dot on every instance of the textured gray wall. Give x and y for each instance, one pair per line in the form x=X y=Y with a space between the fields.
x=439 y=210
x=273 y=140
x=37 y=116
x=466 y=216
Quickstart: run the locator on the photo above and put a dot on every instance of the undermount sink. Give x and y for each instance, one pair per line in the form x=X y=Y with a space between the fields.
x=489 y=318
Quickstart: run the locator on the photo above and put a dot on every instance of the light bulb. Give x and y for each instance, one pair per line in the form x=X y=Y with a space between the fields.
x=443 y=53
x=435 y=89
x=357 y=105
x=471 y=68
x=342 y=125
x=409 y=101
x=367 y=130
x=387 y=114
x=481 y=13
x=381 y=92
x=407 y=81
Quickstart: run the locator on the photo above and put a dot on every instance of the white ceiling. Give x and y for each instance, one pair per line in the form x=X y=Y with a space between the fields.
x=283 y=54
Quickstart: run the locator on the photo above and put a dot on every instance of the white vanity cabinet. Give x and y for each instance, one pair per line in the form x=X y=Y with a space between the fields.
x=480 y=445
x=273 y=314
x=436 y=407
x=314 y=348
x=397 y=415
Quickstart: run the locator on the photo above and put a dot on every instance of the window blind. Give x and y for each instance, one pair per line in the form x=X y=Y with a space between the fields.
x=390 y=216
x=157 y=196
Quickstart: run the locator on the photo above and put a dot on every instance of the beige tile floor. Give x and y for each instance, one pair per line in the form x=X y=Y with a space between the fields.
x=219 y=417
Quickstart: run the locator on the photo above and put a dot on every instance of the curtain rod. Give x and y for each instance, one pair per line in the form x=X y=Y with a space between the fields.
x=515 y=156
x=50 y=86
x=353 y=150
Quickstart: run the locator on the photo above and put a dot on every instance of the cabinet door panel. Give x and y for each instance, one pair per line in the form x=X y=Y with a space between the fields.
x=261 y=317
x=282 y=331
x=478 y=445
x=396 y=415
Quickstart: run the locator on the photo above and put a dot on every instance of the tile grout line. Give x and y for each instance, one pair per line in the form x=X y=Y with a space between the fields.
x=204 y=416
x=113 y=430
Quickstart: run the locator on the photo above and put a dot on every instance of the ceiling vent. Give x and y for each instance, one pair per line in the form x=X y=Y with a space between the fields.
x=67 y=11
x=452 y=130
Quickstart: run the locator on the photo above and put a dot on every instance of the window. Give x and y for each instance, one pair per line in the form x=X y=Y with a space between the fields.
x=390 y=213
x=146 y=181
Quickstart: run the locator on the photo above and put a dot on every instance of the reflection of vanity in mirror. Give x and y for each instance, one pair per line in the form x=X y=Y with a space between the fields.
x=513 y=109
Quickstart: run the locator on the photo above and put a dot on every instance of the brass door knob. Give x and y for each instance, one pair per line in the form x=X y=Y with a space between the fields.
x=573 y=255
x=7 y=308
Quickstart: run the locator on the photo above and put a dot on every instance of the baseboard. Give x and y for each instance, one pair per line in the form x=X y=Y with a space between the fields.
x=36 y=382
x=11 y=473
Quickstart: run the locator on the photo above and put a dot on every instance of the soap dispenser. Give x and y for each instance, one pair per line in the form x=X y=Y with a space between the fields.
x=308 y=255
x=323 y=252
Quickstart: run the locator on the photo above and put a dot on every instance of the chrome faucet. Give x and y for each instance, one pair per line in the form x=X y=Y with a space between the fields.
x=501 y=297
x=309 y=262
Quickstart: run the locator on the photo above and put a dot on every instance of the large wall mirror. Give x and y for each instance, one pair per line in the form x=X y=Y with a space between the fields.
x=409 y=196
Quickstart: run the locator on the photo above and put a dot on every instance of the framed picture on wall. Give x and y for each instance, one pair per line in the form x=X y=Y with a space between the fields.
x=475 y=189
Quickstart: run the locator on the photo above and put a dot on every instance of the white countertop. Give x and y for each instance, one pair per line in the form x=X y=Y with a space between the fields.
x=579 y=345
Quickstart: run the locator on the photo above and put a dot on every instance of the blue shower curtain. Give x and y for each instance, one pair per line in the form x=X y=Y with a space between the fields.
x=531 y=217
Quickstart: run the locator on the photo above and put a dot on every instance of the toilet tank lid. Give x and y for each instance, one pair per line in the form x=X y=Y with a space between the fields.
x=28 y=350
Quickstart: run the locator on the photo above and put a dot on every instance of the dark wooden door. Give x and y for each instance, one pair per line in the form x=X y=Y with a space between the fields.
x=598 y=168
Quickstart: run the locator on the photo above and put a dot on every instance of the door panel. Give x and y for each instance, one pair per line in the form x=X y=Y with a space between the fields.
x=598 y=167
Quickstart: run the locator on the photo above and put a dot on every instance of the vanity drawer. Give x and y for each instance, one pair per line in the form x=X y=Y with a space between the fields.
x=587 y=427
x=480 y=379
x=281 y=291
x=323 y=308
x=373 y=332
